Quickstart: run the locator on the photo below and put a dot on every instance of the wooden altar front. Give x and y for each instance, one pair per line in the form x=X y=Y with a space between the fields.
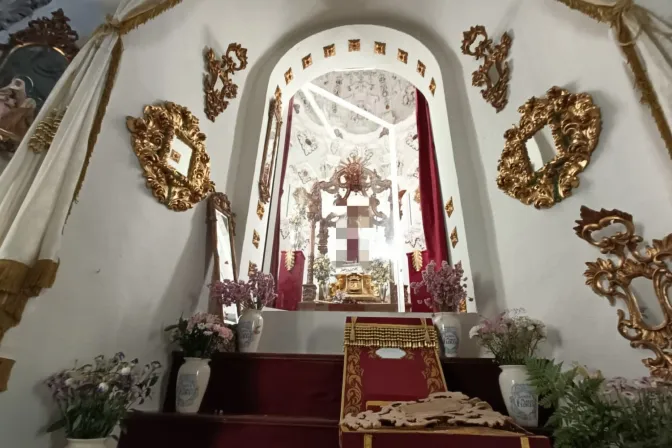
x=279 y=401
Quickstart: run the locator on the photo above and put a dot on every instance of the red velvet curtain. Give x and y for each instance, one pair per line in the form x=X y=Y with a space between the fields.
x=433 y=222
x=290 y=282
x=275 y=256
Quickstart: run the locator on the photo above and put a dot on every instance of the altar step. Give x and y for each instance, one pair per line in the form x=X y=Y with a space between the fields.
x=170 y=430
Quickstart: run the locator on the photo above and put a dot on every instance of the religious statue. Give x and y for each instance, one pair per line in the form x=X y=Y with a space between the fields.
x=17 y=110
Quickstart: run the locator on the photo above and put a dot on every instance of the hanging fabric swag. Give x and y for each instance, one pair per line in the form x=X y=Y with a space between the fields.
x=646 y=41
x=38 y=189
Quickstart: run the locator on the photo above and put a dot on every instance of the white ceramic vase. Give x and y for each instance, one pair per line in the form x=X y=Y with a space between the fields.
x=192 y=380
x=249 y=329
x=521 y=401
x=450 y=330
x=86 y=443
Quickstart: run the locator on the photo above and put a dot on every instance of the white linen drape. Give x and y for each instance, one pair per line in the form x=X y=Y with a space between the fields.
x=37 y=190
x=652 y=41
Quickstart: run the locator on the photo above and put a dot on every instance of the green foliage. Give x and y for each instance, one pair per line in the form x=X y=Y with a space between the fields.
x=587 y=417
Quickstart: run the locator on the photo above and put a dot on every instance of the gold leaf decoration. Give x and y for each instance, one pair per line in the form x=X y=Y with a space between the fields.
x=290 y=259
x=255 y=239
x=417 y=260
x=45 y=131
x=221 y=70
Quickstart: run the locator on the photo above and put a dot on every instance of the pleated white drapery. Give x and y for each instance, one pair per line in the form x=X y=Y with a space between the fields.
x=37 y=189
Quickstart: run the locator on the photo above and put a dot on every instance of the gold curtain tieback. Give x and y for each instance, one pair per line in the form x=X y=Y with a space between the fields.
x=110 y=26
x=642 y=15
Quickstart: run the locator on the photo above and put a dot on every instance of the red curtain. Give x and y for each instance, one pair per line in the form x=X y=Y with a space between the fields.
x=431 y=203
x=275 y=256
x=290 y=282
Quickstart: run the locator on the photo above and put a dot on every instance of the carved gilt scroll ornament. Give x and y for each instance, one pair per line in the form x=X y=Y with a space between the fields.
x=271 y=144
x=152 y=138
x=575 y=123
x=612 y=278
x=222 y=69
x=54 y=32
x=494 y=91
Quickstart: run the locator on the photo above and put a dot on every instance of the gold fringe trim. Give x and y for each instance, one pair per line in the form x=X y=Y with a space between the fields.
x=5 y=369
x=614 y=16
x=17 y=277
x=11 y=310
x=394 y=336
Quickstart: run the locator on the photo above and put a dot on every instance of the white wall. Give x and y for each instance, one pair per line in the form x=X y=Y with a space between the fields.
x=129 y=266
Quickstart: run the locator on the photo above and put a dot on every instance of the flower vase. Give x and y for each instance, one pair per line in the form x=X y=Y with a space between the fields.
x=324 y=289
x=86 y=443
x=382 y=290
x=522 y=403
x=192 y=381
x=249 y=330
x=450 y=330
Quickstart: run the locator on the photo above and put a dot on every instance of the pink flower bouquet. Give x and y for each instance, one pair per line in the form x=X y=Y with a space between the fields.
x=445 y=285
x=201 y=335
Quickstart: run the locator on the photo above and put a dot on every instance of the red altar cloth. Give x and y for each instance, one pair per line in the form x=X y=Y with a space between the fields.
x=289 y=282
x=370 y=380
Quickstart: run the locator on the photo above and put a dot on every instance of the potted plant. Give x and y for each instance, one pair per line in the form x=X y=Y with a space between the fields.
x=513 y=339
x=380 y=274
x=322 y=270
x=594 y=412
x=93 y=398
x=447 y=289
x=252 y=296
x=199 y=337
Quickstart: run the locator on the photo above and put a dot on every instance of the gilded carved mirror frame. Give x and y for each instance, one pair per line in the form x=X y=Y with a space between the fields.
x=219 y=202
x=575 y=123
x=270 y=154
x=613 y=280
x=152 y=137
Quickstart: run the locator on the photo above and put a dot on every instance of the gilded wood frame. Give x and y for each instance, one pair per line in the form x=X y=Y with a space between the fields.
x=270 y=154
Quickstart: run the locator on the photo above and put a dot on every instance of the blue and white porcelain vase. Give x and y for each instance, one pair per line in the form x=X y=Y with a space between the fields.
x=249 y=329
x=521 y=401
x=192 y=380
x=450 y=330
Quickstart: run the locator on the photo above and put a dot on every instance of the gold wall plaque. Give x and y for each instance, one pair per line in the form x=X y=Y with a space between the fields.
x=354 y=45
x=329 y=50
x=260 y=210
x=613 y=277
x=421 y=69
x=153 y=136
x=221 y=69
x=453 y=237
x=494 y=92
x=379 y=47
x=251 y=269
x=289 y=75
x=307 y=61
x=432 y=86
x=450 y=208
x=402 y=56
x=255 y=239
x=575 y=123
x=271 y=144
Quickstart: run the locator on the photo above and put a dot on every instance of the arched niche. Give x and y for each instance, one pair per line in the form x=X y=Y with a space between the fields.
x=336 y=49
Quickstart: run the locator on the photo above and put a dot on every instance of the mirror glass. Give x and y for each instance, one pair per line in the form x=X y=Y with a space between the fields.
x=224 y=248
x=27 y=76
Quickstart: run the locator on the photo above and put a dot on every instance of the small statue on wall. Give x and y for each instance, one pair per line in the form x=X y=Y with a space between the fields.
x=221 y=69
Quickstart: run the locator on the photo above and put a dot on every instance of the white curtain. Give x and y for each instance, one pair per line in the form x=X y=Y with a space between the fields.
x=36 y=190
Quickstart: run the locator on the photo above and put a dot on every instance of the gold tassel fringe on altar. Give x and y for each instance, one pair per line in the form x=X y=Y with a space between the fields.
x=613 y=14
x=18 y=281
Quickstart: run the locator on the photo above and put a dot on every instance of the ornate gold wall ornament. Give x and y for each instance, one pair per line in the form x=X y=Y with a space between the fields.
x=432 y=86
x=416 y=257
x=290 y=260
x=453 y=238
x=416 y=196
x=612 y=278
x=251 y=269
x=45 y=131
x=421 y=68
x=255 y=239
x=329 y=50
x=152 y=138
x=221 y=69
x=52 y=32
x=354 y=45
x=495 y=91
x=260 y=210
x=289 y=75
x=450 y=208
x=575 y=123
x=307 y=61
x=271 y=145
x=402 y=56
x=379 y=47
